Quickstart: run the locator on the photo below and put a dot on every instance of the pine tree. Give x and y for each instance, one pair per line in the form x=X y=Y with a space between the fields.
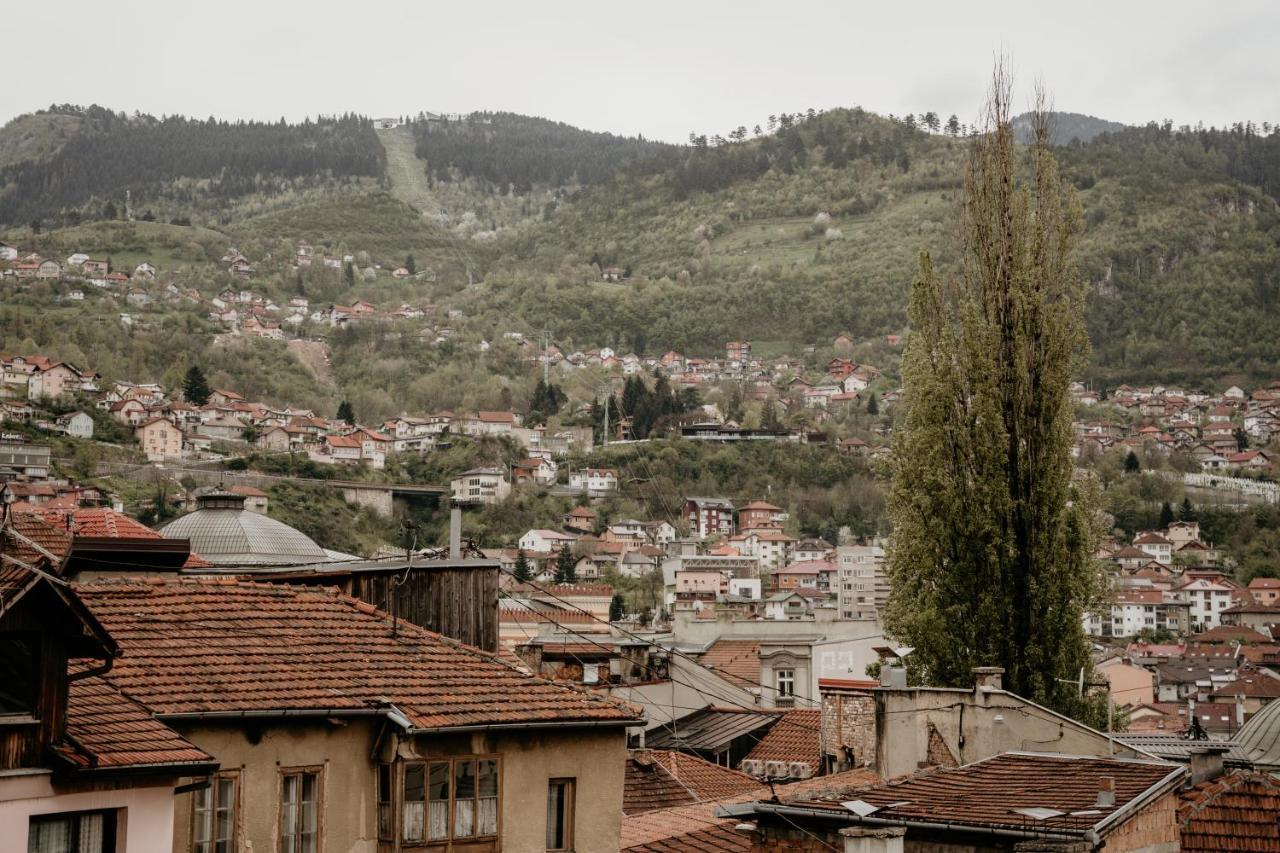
x=1166 y=515
x=195 y=388
x=345 y=412
x=566 y=566
x=410 y=264
x=1131 y=463
x=521 y=568
x=617 y=607
x=1186 y=512
x=873 y=407
x=349 y=274
x=991 y=559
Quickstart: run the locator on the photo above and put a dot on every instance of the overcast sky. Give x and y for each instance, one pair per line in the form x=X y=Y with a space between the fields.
x=654 y=67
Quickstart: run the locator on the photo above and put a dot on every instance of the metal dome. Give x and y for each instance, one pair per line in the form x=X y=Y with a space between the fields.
x=226 y=534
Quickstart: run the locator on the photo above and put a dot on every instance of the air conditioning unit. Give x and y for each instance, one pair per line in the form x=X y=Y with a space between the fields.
x=775 y=769
x=800 y=770
x=752 y=766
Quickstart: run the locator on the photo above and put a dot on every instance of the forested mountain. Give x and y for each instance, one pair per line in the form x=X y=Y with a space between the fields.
x=516 y=152
x=83 y=159
x=1066 y=128
x=788 y=238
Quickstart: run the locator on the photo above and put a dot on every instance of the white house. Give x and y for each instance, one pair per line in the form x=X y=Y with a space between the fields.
x=596 y=482
x=1207 y=599
x=480 y=486
x=545 y=541
x=1160 y=548
x=77 y=424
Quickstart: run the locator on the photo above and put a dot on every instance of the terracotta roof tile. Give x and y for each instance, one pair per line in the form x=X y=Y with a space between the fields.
x=1233 y=812
x=207 y=645
x=986 y=793
x=792 y=738
x=739 y=659
x=109 y=730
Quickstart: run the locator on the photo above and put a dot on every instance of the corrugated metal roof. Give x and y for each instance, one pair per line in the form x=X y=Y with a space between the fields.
x=710 y=729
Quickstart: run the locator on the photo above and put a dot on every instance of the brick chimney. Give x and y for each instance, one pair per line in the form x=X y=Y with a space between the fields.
x=1106 y=792
x=989 y=677
x=1207 y=763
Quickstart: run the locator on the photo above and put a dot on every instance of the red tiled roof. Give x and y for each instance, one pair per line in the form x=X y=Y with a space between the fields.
x=1230 y=634
x=678 y=829
x=1233 y=812
x=658 y=779
x=738 y=659
x=106 y=523
x=109 y=730
x=205 y=645
x=792 y=738
x=986 y=793
x=1254 y=684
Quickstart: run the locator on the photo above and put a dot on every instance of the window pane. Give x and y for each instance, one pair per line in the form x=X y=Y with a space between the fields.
x=202 y=821
x=438 y=809
x=464 y=780
x=414 y=782
x=225 y=823
x=91 y=833
x=487 y=778
x=49 y=836
x=464 y=821
x=308 y=787
x=555 y=816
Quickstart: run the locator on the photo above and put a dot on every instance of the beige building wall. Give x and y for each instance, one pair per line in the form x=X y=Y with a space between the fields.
x=1129 y=684
x=595 y=758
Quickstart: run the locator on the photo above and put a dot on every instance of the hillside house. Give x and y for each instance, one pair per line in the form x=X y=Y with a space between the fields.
x=160 y=440
x=758 y=513
x=596 y=482
x=708 y=517
x=76 y=424
x=480 y=486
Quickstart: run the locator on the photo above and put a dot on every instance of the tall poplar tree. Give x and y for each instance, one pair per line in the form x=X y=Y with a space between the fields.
x=991 y=558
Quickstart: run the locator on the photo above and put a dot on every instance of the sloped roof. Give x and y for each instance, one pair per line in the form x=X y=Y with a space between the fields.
x=738 y=659
x=1259 y=738
x=109 y=730
x=1233 y=812
x=792 y=738
x=984 y=794
x=658 y=779
x=202 y=645
x=709 y=729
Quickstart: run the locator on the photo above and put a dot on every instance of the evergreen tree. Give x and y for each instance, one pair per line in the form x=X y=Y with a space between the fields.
x=566 y=566
x=410 y=264
x=617 y=607
x=1131 y=463
x=349 y=274
x=992 y=550
x=1166 y=515
x=521 y=568
x=1186 y=512
x=195 y=388
x=873 y=407
x=345 y=412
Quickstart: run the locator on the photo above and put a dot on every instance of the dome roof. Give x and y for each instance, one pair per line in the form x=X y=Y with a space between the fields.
x=226 y=534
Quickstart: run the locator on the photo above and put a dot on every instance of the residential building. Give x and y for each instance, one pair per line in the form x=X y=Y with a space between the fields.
x=160 y=440
x=760 y=514
x=361 y=732
x=1155 y=546
x=545 y=541
x=596 y=482
x=480 y=486
x=19 y=458
x=862 y=587
x=1207 y=599
x=76 y=424
x=708 y=517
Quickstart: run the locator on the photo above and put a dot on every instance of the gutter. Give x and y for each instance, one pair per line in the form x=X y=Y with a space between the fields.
x=92 y=671
x=550 y=724
x=749 y=809
x=391 y=713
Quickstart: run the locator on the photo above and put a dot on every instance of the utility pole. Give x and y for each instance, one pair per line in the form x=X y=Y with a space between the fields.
x=607 y=396
x=546 y=358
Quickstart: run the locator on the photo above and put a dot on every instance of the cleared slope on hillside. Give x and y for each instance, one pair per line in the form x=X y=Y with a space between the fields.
x=406 y=172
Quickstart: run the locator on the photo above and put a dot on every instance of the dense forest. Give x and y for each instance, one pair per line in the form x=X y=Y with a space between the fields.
x=515 y=153
x=109 y=153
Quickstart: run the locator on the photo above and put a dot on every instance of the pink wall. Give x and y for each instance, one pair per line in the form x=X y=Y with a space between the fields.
x=146 y=819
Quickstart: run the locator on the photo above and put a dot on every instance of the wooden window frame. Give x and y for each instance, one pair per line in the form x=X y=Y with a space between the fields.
x=234 y=777
x=399 y=802
x=284 y=772
x=570 y=805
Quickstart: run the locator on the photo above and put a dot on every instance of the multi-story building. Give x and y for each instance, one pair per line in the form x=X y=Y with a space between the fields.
x=1132 y=610
x=480 y=486
x=862 y=587
x=1207 y=599
x=708 y=516
x=30 y=461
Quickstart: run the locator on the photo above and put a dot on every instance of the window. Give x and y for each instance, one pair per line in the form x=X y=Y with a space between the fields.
x=450 y=799
x=786 y=682
x=213 y=821
x=83 y=832
x=560 y=814
x=386 y=826
x=300 y=811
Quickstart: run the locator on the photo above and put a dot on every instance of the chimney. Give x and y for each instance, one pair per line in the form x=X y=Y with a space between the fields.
x=988 y=677
x=893 y=676
x=873 y=839
x=1106 y=792
x=455 y=533
x=1207 y=763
